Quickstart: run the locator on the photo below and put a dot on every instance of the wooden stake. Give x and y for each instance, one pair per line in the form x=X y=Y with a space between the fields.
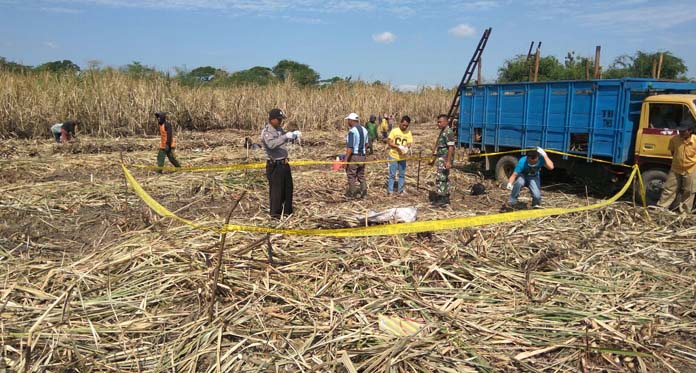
x=598 y=51
x=216 y=272
x=659 y=66
x=479 y=72
x=420 y=152
x=536 y=64
x=529 y=56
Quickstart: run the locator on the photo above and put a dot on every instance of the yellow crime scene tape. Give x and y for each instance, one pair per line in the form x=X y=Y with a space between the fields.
x=261 y=165
x=382 y=230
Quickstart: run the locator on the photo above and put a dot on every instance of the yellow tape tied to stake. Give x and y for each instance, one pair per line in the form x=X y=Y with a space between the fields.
x=383 y=230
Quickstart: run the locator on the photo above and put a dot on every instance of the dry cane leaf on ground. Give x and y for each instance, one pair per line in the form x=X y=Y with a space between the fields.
x=93 y=281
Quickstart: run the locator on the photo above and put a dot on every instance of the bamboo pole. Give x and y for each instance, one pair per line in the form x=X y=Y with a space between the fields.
x=529 y=56
x=478 y=80
x=659 y=66
x=420 y=153
x=536 y=63
x=598 y=51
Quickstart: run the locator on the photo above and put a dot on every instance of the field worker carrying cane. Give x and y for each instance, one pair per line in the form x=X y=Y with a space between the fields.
x=526 y=174
x=280 y=186
x=356 y=145
x=167 y=143
x=681 y=180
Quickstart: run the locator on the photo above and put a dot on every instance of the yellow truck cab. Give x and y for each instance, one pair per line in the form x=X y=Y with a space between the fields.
x=660 y=116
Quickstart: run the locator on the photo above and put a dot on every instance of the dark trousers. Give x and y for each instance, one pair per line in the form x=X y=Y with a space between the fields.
x=169 y=154
x=356 y=172
x=279 y=188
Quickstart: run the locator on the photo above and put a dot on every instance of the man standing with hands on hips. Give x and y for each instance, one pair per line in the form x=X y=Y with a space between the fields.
x=526 y=174
x=280 y=186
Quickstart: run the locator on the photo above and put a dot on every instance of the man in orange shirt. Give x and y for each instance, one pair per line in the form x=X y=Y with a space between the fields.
x=681 y=181
x=167 y=142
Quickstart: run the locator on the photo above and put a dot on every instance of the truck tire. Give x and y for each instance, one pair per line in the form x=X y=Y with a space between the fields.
x=653 y=180
x=504 y=168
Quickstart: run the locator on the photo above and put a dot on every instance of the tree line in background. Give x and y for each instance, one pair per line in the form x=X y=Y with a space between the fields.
x=284 y=70
x=516 y=69
x=639 y=65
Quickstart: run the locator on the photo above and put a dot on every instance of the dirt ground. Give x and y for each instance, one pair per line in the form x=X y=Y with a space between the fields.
x=93 y=280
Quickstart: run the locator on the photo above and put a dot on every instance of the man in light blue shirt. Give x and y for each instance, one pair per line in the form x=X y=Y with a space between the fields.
x=526 y=174
x=356 y=144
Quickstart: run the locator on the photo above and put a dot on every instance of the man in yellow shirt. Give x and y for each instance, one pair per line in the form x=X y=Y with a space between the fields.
x=384 y=127
x=399 y=141
x=681 y=181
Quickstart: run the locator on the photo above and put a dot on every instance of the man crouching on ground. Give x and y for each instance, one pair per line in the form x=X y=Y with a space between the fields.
x=526 y=174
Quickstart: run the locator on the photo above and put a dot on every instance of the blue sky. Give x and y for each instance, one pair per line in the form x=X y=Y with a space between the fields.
x=406 y=43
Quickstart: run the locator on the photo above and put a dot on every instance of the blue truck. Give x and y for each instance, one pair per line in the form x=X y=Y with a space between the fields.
x=627 y=121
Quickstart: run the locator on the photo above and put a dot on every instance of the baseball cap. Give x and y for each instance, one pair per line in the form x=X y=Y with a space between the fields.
x=276 y=114
x=352 y=116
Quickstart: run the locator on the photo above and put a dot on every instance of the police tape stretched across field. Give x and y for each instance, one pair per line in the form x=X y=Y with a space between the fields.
x=392 y=229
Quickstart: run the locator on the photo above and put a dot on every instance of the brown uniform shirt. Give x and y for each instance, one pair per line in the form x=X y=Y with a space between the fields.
x=683 y=154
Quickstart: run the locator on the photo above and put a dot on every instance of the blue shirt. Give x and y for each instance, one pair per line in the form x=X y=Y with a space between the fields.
x=523 y=167
x=357 y=139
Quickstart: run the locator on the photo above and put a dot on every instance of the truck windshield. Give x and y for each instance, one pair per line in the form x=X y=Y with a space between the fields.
x=669 y=115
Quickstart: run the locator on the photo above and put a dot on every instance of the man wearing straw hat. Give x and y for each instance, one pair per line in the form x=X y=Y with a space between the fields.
x=681 y=180
x=356 y=145
x=280 y=187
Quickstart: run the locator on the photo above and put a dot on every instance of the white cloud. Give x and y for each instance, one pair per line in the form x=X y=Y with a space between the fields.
x=304 y=20
x=462 y=30
x=304 y=8
x=407 y=88
x=384 y=38
x=61 y=10
x=649 y=17
x=51 y=45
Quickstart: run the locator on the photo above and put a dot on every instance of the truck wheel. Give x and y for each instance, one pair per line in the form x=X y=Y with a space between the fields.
x=504 y=168
x=653 y=180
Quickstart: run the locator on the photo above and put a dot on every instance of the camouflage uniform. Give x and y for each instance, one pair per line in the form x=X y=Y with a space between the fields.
x=444 y=141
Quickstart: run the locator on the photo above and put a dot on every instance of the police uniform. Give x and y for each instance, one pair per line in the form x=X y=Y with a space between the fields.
x=444 y=141
x=277 y=170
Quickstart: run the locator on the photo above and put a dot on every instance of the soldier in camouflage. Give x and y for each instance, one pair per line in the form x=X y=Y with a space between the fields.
x=444 y=153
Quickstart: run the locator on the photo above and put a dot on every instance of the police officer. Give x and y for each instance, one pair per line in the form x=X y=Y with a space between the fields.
x=274 y=138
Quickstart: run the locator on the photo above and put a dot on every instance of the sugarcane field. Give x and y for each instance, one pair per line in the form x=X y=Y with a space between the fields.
x=161 y=218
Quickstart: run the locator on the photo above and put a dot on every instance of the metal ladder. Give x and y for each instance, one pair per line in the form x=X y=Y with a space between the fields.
x=468 y=74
